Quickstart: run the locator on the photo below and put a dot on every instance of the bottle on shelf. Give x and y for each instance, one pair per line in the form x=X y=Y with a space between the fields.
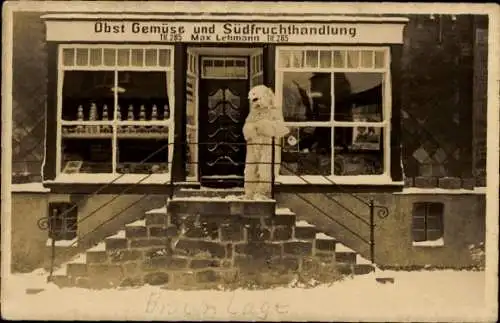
x=105 y=117
x=80 y=117
x=154 y=117
x=142 y=117
x=93 y=117
x=130 y=117
x=166 y=116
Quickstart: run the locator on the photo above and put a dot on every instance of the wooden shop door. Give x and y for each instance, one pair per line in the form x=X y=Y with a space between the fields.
x=223 y=108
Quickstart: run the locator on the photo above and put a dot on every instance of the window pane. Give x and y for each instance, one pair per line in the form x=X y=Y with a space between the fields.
x=325 y=59
x=367 y=58
x=86 y=155
x=358 y=151
x=137 y=57
x=435 y=222
x=151 y=57
x=352 y=59
x=379 y=59
x=109 y=57
x=358 y=96
x=306 y=96
x=82 y=89
x=148 y=89
x=258 y=80
x=123 y=57
x=419 y=235
x=285 y=58
x=418 y=222
x=436 y=209
x=297 y=58
x=312 y=58
x=339 y=59
x=143 y=156
x=82 y=56
x=68 y=56
x=95 y=56
x=307 y=151
x=164 y=57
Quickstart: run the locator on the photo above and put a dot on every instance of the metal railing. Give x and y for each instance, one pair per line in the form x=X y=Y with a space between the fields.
x=45 y=223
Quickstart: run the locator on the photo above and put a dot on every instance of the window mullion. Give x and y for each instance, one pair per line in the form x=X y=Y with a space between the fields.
x=114 y=140
x=332 y=119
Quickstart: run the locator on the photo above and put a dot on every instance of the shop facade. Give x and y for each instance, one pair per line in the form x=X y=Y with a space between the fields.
x=147 y=104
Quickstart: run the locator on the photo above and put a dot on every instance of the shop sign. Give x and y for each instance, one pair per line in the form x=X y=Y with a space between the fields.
x=223 y=32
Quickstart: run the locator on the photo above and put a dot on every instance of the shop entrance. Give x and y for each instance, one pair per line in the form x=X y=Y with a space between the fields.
x=223 y=108
x=218 y=82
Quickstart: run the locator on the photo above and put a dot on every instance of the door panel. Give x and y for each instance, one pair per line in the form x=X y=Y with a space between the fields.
x=223 y=109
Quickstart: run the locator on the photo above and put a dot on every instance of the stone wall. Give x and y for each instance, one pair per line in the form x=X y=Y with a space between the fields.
x=206 y=250
x=464 y=224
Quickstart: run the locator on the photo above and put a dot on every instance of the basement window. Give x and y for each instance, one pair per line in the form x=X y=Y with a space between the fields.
x=428 y=224
x=63 y=218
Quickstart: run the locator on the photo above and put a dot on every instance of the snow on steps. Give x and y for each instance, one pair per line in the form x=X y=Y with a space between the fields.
x=348 y=261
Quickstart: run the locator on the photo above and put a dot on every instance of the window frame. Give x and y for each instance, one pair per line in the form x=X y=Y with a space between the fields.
x=143 y=178
x=385 y=124
x=426 y=206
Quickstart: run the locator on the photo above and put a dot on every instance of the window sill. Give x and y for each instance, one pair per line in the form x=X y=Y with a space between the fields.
x=111 y=179
x=337 y=180
x=430 y=243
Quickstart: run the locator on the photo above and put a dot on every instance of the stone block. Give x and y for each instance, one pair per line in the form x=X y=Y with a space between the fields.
x=256 y=233
x=152 y=242
x=194 y=247
x=208 y=276
x=124 y=255
x=259 y=249
x=82 y=282
x=302 y=248
x=183 y=278
x=75 y=270
x=166 y=262
x=156 y=278
x=283 y=264
x=408 y=181
x=96 y=257
x=345 y=257
x=282 y=219
x=232 y=233
x=450 y=182
x=204 y=263
x=136 y=232
x=305 y=233
x=327 y=245
x=163 y=232
x=132 y=269
x=116 y=243
x=156 y=219
x=426 y=182
x=62 y=281
x=468 y=183
x=282 y=233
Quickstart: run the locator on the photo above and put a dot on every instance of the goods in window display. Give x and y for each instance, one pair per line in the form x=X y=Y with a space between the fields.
x=80 y=118
x=130 y=117
x=166 y=112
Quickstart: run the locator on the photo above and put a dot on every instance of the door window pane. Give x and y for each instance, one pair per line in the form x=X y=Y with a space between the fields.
x=68 y=56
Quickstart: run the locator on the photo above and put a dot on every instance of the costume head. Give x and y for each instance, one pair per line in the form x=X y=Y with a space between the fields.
x=261 y=97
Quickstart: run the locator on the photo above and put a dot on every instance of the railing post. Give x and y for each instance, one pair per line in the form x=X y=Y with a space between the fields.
x=273 y=155
x=52 y=256
x=372 y=231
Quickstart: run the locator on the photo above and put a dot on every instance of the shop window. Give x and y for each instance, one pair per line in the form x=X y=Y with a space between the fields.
x=336 y=101
x=115 y=109
x=428 y=224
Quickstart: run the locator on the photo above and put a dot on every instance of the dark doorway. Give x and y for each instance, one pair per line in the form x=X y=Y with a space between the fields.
x=223 y=108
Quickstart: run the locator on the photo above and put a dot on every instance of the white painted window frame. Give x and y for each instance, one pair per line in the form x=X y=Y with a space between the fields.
x=194 y=71
x=224 y=58
x=385 y=124
x=118 y=178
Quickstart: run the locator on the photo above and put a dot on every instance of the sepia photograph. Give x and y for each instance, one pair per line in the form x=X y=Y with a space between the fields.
x=250 y=161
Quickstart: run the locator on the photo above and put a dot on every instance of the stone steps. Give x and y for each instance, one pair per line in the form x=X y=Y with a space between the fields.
x=173 y=249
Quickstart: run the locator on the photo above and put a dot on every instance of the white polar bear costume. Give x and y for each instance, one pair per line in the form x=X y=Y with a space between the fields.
x=264 y=122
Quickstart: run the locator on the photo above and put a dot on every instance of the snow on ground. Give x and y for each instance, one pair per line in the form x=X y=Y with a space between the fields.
x=417 y=296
